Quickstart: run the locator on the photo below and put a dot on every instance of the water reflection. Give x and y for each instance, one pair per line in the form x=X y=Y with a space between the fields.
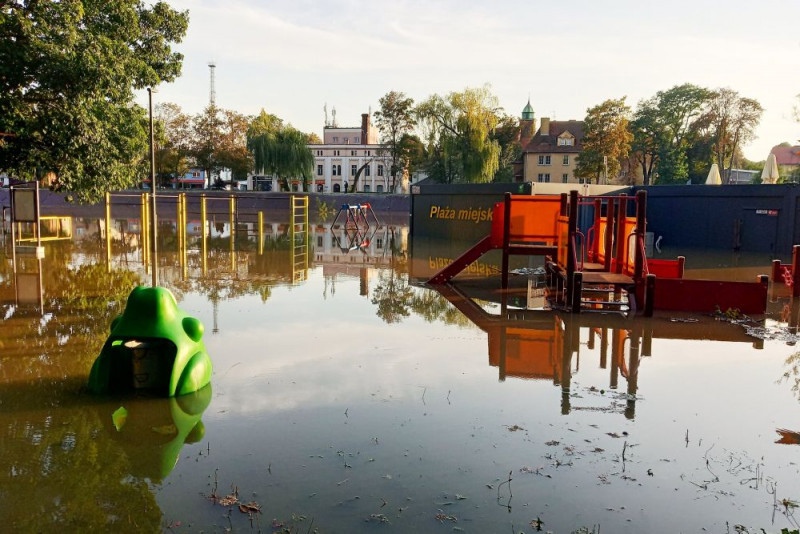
x=384 y=390
x=546 y=344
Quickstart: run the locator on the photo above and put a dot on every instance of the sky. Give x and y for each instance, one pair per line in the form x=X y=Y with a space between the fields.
x=294 y=57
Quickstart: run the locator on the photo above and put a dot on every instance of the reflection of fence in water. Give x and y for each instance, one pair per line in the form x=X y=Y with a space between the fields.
x=181 y=230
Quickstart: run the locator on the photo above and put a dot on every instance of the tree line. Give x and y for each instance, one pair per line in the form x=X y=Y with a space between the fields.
x=671 y=138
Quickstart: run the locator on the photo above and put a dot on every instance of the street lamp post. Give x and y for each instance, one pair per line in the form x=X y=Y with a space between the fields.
x=153 y=219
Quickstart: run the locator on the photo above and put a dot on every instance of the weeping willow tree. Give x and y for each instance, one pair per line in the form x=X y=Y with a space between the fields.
x=459 y=128
x=280 y=151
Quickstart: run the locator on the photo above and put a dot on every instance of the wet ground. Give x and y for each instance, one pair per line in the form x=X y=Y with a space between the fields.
x=347 y=398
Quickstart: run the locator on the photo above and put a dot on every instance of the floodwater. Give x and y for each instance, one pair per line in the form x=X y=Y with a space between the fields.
x=347 y=398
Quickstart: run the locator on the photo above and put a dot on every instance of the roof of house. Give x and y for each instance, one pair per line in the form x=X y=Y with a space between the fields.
x=549 y=143
x=786 y=155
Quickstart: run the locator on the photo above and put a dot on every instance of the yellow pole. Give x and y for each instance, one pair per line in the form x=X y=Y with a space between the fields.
x=203 y=226
x=179 y=225
x=185 y=237
x=142 y=226
x=260 y=233
x=108 y=231
x=233 y=222
x=305 y=250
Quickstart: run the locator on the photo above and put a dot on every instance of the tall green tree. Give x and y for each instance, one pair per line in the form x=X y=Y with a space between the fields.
x=174 y=142
x=281 y=151
x=606 y=140
x=394 y=119
x=733 y=120
x=507 y=136
x=67 y=75
x=662 y=127
x=457 y=130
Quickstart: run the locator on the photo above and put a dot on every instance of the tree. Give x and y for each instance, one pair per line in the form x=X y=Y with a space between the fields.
x=457 y=130
x=507 y=136
x=732 y=119
x=394 y=120
x=606 y=140
x=231 y=144
x=67 y=75
x=281 y=152
x=662 y=127
x=173 y=145
x=648 y=137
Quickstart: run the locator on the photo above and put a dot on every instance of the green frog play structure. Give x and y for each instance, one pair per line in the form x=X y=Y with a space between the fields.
x=154 y=346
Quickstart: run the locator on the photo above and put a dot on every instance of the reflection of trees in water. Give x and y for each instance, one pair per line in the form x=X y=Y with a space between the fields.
x=57 y=469
x=792 y=373
x=60 y=471
x=264 y=271
x=396 y=299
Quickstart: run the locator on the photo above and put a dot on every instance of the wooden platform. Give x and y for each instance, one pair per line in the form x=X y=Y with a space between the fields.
x=607 y=278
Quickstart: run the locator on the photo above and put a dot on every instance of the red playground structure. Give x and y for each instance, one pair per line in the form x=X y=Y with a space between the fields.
x=607 y=268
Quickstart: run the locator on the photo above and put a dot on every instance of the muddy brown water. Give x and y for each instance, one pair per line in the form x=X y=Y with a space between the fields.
x=346 y=399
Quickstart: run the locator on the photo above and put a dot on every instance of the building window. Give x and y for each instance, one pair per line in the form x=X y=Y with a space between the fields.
x=565 y=160
x=352 y=152
x=368 y=152
x=366 y=186
x=380 y=170
x=346 y=140
x=544 y=177
x=379 y=243
x=335 y=139
x=566 y=141
x=319 y=241
x=366 y=171
x=336 y=170
x=353 y=170
x=544 y=160
x=337 y=188
x=319 y=170
x=319 y=152
x=565 y=178
x=379 y=189
x=355 y=140
x=336 y=153
x=339 y=169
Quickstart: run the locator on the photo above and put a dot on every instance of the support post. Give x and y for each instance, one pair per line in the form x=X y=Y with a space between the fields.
x=641 y=228
x=621 y=241
x=608 y=246
x=204 y=240
x=506 y=231
x=796 y=271
x=649 y=295
x=108 y=231
x=598 y=206
x=572 y=226
x=232 y=222
x=260 y=233
x=577 y=290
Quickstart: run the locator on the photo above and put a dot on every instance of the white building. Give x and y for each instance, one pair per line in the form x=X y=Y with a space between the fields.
x=343 y=153
x=346 y=152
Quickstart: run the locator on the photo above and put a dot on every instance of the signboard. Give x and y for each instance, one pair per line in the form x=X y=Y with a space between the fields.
x=23 y=205
x=770 y=213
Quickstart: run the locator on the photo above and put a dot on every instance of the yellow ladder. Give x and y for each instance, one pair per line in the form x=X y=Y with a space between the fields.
x=298 y=237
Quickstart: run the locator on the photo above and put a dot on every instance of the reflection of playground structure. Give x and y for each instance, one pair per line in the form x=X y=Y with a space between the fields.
x=152 y=431
x=546 y=345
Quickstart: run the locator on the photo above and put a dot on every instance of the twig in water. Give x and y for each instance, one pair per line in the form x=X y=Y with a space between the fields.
x=687 y=437
x=624 y=447
x=510 y=495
